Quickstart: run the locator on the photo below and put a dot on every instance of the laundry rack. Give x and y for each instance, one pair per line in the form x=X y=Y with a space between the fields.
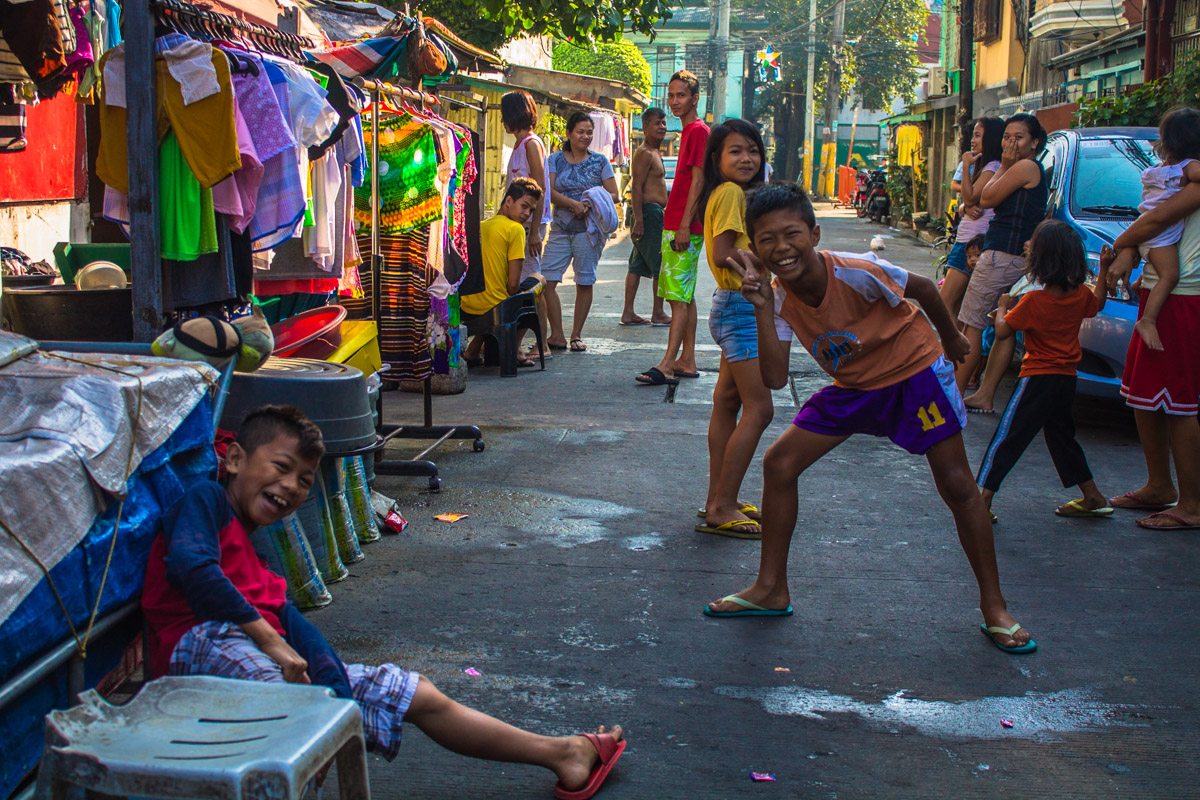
x=419 y=465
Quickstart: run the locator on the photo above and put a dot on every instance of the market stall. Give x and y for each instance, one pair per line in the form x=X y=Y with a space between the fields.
x=254 y=174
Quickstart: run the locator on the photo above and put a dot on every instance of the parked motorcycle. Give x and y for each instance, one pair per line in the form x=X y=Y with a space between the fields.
x=862 y=188
x=878 y=204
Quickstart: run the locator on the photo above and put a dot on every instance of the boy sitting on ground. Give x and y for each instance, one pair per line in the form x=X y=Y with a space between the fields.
x=503 y=245
x=213 y=608
x=892 y=378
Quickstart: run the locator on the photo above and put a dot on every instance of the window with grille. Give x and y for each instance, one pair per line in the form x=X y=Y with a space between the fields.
x=987 y=20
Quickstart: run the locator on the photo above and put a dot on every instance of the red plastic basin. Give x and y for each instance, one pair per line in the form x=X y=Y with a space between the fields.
x=317 y=332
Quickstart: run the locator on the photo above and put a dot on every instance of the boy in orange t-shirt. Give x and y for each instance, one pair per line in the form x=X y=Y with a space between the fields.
x=892 y=377
x=1050 y=318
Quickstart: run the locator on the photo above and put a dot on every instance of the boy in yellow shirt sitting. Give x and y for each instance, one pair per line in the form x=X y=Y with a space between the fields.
x=503 y=245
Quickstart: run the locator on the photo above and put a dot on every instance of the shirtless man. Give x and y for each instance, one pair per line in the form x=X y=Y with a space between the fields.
x=649 y=198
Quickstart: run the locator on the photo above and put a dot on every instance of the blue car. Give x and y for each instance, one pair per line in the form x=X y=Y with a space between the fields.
x=1095 y=186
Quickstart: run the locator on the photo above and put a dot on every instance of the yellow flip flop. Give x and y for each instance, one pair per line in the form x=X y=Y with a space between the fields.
x=731 y=529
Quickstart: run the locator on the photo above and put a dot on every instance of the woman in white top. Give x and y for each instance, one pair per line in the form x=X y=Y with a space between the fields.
x=519 y=115
x=978 y=166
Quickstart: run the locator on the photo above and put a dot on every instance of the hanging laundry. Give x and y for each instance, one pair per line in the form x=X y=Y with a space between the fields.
x=408 y=196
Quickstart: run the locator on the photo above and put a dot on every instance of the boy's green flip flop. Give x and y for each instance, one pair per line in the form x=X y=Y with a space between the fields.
x=1028 y=647
x=751 y=610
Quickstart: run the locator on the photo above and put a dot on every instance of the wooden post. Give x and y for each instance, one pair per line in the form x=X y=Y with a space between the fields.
x=853 y=133
x=151 y=293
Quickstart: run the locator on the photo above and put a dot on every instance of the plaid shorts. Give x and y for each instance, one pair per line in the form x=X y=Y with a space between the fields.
x=223 y=649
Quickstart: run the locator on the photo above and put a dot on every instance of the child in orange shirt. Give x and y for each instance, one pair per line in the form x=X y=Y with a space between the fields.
x=892 y=377
x=1050 y=318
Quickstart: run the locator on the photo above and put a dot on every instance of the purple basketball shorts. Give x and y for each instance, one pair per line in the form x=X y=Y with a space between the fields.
x=915 y=413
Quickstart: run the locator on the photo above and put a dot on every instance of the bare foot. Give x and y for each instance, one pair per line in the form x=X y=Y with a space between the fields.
x=760 y=596
x=661 y=319
x=575 y=768
x=1149 y=333
x=973 y=401
x=633 y=319
x=1000 y=618
x=533 y=352
x=684 y=367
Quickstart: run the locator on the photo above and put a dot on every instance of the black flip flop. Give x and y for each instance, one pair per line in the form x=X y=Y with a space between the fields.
x=679 y=374
x=556 y=346
x=656 y=378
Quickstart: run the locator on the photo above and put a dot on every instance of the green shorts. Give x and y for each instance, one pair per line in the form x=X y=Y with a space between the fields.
x=677 y=279
x=645 y=259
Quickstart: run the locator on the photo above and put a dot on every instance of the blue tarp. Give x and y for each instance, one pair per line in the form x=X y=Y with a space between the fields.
x=38 y=623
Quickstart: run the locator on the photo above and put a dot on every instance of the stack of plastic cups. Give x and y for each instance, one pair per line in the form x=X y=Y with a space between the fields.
x=284 y=546
x=333 y=494
x=366 y=526
x=317 y=526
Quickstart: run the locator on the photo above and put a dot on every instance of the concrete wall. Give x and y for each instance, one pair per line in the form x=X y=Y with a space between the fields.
x=530 y=51
x=1003 y=59
x=34 y=228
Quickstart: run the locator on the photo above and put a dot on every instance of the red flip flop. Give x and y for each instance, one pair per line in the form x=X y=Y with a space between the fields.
x=1136 y=503
x=1178 y=522
x=610 y=751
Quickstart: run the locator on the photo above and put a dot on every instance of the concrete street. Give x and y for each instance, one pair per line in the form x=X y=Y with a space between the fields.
x=576 y=585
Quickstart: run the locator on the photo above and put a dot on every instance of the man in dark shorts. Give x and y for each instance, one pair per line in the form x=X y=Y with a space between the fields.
x=649 y=198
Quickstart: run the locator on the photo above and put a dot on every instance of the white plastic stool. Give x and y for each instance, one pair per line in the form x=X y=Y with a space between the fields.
x=201 y=737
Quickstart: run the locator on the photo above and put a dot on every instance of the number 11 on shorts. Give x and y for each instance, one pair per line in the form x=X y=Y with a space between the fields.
x=930 y=418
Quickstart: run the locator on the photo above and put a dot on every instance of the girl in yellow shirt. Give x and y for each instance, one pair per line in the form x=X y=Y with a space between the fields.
x=733 y=166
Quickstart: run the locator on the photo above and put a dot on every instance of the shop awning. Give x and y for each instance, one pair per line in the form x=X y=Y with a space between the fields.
x=900 y=119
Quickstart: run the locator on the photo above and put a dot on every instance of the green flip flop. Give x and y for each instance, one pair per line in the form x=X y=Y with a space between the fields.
x=731 y=529
x=987 y=631
x=751 y=610
x=1076 y=508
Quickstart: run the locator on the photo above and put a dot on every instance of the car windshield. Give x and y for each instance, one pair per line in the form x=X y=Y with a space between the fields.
x=1108 y=175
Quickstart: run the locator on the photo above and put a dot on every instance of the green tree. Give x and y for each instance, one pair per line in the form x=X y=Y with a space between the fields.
x=879 y=61
x=491 y=23
x=1146 y=104
x=618 y=61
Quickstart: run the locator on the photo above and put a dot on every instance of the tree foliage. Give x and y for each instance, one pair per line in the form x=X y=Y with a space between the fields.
x=491 y=23
x=879 y=62
x=1146 y=104
x=618 y=61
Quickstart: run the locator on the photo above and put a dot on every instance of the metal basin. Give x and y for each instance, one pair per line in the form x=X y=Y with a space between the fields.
x=332 y=395
x=63 y=313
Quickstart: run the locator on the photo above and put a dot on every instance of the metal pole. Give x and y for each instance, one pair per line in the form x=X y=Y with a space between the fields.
x=810 y=101
x=721 y=62
x=150 y=292
x=833 y=93
x=376 y=257
x=966 y=74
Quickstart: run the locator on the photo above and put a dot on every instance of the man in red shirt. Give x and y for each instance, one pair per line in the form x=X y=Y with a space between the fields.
x=683 y=236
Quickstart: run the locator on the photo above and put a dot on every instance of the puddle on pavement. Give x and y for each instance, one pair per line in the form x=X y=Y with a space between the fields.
x=645 y=541
x=1036 y=715
x=548 y=518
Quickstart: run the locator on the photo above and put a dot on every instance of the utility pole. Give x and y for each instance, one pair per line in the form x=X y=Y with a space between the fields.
x=833 y=91
x=810 y=100
x=966 y=71
x=721 y=61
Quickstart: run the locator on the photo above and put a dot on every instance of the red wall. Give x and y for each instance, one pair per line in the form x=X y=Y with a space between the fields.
x=54 y=165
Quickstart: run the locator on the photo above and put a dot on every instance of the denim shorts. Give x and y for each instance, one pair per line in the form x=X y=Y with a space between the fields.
x=731 y=322
x=566 y=249
x=957 y=259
